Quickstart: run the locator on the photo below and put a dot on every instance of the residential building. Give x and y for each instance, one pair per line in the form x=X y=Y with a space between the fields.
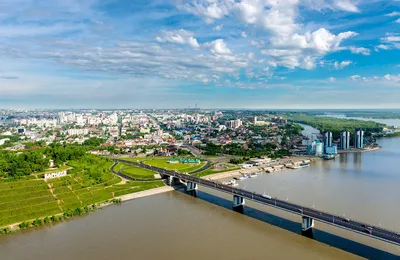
x=345 y=140
x=359 y=139
x=327 y=140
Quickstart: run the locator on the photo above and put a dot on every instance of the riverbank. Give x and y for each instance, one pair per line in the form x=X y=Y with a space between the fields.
x=145 y=193
x=360 y=150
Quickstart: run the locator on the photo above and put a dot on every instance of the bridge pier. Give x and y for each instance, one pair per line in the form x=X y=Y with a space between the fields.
x=171 y=180
x=307 y=223
x=191 y=186
x=238 y=201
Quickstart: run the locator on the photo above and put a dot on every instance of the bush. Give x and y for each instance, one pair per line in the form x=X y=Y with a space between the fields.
x=46 y=220
x=24 y=225
x=5 y=231
x=37 y=223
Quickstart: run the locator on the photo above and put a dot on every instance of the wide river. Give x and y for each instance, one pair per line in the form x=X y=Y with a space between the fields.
x=173 y=225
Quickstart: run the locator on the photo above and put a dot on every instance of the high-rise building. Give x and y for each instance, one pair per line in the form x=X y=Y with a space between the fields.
x=345 y=140
x=327 y=140
x=315 y=148
x=359 y=139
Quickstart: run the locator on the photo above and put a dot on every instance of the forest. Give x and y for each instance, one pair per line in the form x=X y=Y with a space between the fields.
x=336 y=125
x=37 y=159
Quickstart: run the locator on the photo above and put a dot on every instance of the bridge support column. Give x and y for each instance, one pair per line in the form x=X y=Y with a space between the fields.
x=172 y=180
x=238 y=201
x=307 y=223
x=191 y=186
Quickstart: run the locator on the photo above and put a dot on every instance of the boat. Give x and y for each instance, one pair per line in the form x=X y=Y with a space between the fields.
x=253 y=175
x=243 y=177
x=328 y=156
x=231 y=183
x=301 y=165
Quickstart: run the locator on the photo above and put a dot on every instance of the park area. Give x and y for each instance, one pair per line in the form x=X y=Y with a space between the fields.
x=28 y=199
x=164 y=163
x=134 y=172
x=180 y=167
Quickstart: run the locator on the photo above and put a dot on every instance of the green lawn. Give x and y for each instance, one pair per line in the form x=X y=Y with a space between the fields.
x=135 y=172
x=180 y=167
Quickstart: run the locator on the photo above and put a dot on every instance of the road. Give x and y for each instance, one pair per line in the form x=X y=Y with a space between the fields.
x=338 y=221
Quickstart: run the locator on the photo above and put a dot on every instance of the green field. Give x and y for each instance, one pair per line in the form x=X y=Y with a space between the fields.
x=180 y=167
x=135 y=172
x=25 y=200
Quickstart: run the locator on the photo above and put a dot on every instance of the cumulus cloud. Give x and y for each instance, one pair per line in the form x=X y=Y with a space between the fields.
x=179 y=37
x=331 y=79
x=341 y=65
x=218 y=47
x=303 y=50
x=287 y=45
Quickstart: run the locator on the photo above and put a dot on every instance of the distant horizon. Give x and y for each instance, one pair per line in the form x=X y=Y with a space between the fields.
x=200 y=108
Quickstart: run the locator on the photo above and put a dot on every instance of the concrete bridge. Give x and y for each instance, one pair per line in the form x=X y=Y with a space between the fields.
x=308 y=215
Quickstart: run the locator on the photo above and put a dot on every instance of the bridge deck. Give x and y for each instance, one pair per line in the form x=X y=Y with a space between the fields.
x=338 y=221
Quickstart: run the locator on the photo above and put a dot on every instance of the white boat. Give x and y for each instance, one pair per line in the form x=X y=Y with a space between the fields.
x=253 y=175
x=301 y=165
x=231 y=183
x=243 y=177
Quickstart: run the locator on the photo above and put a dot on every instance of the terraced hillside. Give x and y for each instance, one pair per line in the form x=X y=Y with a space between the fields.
x=29 y=199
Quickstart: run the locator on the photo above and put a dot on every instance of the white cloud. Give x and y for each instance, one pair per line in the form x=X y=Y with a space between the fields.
x=341 y=65
x=345 y=5
x=30 y=30
x=331 y=79
x=304 y=50
x=218 y=47
x=218 y=27
x=397 y=21
x=392 y=40
x=383 y=47
x=179 y=37
x=393 y=14
x=244 y=35
x=209 y=10
x=391 y=79
x=359 y=50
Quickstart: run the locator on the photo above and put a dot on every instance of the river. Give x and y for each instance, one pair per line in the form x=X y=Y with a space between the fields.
x=174 y=225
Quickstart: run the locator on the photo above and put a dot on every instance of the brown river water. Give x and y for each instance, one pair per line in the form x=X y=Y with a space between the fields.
x=175 y=225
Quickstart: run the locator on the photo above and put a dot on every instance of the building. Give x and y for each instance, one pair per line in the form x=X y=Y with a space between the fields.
x=234 y=123
x=327 y=140
x=331 y=149
x=359 y=139
x=316 y=148
x=345 y=140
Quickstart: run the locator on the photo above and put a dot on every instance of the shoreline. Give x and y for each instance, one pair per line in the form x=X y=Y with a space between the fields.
x=364 y=150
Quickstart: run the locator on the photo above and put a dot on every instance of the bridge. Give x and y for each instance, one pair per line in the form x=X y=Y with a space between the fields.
x=308 y=215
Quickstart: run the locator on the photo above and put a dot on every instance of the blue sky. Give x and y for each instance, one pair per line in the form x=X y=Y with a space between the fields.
x=217 y=53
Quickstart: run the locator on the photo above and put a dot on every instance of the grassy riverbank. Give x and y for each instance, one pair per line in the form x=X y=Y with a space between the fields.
x=29 y=202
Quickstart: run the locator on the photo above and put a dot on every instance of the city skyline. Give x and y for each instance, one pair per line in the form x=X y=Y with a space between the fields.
x=248 y=54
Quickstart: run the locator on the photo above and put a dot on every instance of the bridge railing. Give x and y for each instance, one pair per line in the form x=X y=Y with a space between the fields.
x=239 y=190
